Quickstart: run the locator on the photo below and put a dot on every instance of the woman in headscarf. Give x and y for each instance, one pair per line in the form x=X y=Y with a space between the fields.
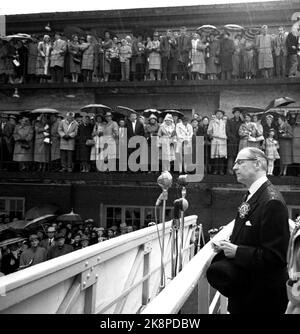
x=197 y=57
x=248 y=133
x=167 y=139
x=43 y=58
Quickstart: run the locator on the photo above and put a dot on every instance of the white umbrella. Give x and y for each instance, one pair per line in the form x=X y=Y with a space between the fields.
x=233 y=27
x=208 y=29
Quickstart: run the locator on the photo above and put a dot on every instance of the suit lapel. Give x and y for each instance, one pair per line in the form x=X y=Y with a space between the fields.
x=253 y=202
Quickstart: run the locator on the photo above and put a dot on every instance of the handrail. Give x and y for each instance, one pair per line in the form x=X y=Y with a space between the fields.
x=173 y=297
x=94 y=266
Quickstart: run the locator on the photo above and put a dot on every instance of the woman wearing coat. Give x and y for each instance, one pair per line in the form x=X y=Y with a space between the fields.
x=23 y=151
x=41 y=149
x=43 y=58
x=55 y=142
x=226 y=53
x=285 y=134
x=212 y=62
x=167 y=139
x=197 y=57
x=184 y=149
x=88 y=56
x=75 y=58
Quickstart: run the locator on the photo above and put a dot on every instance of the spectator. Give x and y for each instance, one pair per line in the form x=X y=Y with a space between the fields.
x=115 y=64
x=10 y=259
x=264 y=45
x=49 y=241
x=83 y=149
x=184 y=48
x=100 y=233
x=292 y=48
x=60 y=248
x=296 y=142
x=213 y=60
x=268 y=125
x=248 y=133
x=54 y=143
x=32 y=59
x=271 y=147
x=87 y=63
x=197 y=57
x=280 y=52
x=94 y=238
x=6 y=141
x=23 y=150
x=167 y=138
x=125 y=55
x=285 y=135
x=233 y=138
x=237 y=56
x=43 y=58
x=260 y=131
x=183 y=151
x=33 y=255
x=85 y=241
x=165 y=51
x=107 y=45
x=202 y=131
x=57 y=59
x=96 y=134
x=154 y=58
x=76 y=244
x=226 y=53
x=99 y=61
x=67 y=130
x=75 y=58
x=217 y=133
x=41 y=149
x=248 y=58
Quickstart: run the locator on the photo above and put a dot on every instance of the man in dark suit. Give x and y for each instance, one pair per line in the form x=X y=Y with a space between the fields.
x=257 y=251
x=134 y=128
x=6 y=141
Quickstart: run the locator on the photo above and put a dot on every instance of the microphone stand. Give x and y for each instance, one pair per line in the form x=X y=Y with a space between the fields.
x=183 y=208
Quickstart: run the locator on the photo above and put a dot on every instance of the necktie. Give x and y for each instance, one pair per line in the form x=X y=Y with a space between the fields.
x=50 y=242
x=246 y=196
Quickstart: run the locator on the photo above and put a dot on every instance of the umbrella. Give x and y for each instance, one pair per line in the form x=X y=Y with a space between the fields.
x=17 y=225
x=279 y=102
x=11 y=112
x=95 y=108
x=149 y=112
x=33 y=224
x=69 y=31
x=233 y=27
x=11 y=241
x=38 y=211
x=17 y=37
x=44 y=111
x=295 y=16
x=70 y=218
x=173 y=112
x=249 y=109
x=125 y=111
x=207 y=28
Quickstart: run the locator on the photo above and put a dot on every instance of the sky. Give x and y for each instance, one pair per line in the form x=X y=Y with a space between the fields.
x=38 y=6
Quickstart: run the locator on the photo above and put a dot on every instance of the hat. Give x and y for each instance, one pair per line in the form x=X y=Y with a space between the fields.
x=100 y=228
x=168 y=117
x=4 y=115
x=70 y=113
x=85 y=238
x=224 y=275
x=59 y=236
x=51 y=229
x=108 y=113
x=33 y=237
x=114 y=228
x=156 y=34
x=123 y=225
x=236 y=109
x=12 y=116
x=269 y=116
x=152 y=116
x=219 y=110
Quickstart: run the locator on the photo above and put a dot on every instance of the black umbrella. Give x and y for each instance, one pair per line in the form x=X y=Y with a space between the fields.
x=97 y=109
x=37 y=222
x=280 y=102
x=11 y=241
x=249 y=109
x=38 y=211
x=125 y=111
x=149 y=112
x=173 y=112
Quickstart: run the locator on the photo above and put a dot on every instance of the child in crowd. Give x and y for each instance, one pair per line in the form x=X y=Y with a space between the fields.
x=271 y=147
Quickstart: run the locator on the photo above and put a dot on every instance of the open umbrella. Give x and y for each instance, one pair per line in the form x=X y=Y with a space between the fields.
x=173 y=112
x=11 y=112
x=125 y=111
x=37 y=222
x=233 y=27
x=295 y=16
x=207 y=28
x=249 y=109
x=19 y=37
x=280 y=102
x=17 y=225
x=149 y=112
x=70 y=218
x=38 y=211
x=44 y=111
x=11 y=241
x=95 y=108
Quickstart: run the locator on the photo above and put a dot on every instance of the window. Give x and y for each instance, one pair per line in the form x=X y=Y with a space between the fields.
x=135 y=216
x=13 y=207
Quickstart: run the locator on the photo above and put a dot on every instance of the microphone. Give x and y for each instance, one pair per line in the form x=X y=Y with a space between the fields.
x=182 y=180
x=180 y=204
x=165 y=182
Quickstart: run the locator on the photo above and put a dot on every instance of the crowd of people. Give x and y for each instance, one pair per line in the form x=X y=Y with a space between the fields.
x=79 y=142
x=173 y=55
x=59 y=239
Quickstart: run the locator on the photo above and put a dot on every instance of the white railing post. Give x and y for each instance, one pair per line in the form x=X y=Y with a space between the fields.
x=203 y=296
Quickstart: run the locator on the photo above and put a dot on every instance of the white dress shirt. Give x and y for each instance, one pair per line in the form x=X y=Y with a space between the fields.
x=256 y=185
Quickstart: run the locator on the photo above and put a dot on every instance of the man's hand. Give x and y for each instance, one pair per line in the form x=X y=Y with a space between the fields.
x=228 y=248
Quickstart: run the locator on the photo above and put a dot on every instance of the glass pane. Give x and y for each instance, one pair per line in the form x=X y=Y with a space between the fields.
x=2 y=205
x=19 y=205
x=12 y=205
x=109 y=212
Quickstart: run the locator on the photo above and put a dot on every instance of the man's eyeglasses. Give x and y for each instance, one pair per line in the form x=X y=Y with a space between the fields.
x=240 y=161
